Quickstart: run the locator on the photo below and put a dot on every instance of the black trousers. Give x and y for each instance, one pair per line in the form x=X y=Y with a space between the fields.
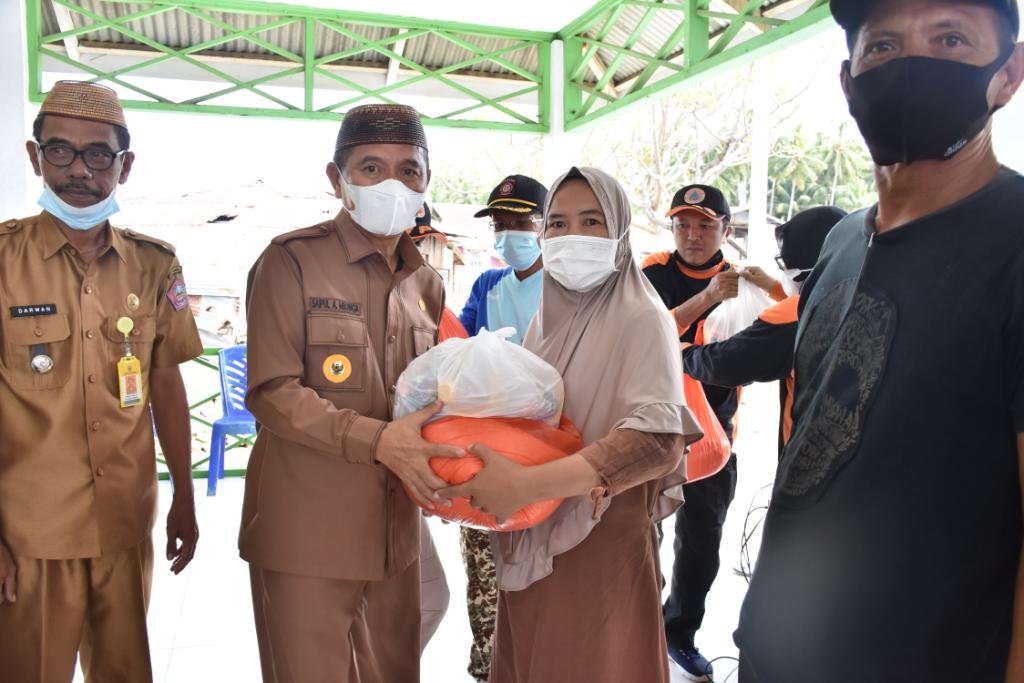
x=698 y=537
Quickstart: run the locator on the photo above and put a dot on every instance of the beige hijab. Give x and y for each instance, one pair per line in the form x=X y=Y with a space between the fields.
x=618 y=353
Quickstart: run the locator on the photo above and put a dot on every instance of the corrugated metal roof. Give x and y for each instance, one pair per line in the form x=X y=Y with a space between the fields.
x=660 y=26
x=178 y=29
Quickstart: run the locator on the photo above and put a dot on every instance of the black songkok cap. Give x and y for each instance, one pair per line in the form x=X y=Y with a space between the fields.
x=381 y=124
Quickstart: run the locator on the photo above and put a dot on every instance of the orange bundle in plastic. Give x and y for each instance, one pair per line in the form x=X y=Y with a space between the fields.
x=526 y=442
x=708 y=455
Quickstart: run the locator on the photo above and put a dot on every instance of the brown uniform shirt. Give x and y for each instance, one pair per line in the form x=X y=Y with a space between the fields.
x=331 y=328
x=77 y=471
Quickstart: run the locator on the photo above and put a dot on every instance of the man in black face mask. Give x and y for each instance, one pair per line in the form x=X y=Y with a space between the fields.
x=892 y=548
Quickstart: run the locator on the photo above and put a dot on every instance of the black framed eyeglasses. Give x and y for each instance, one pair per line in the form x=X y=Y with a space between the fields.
x=524 y=223
x=63 y=155
x=779 y=262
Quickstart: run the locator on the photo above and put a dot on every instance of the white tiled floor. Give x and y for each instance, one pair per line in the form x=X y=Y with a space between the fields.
x=201 y=621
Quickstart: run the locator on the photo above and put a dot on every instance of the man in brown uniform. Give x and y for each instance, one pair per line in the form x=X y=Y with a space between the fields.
x=335 y=313
x=94 y=321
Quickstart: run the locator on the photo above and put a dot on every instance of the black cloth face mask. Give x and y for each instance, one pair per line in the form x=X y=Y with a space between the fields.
x=920 y=108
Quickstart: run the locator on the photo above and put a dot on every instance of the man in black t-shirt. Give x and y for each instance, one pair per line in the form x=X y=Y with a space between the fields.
x=892 y=547
x=692 y=281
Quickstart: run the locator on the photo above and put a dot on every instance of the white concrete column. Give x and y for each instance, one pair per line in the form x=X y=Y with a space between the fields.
x=761 y=246
x=561 y=149
x=16 y=115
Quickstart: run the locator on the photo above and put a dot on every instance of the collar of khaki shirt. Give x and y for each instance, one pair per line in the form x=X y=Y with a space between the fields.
x=51 y=238
x=358 y=245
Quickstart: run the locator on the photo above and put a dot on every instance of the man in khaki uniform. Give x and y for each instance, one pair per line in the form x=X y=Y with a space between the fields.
x=77 y=463
x=335 y=314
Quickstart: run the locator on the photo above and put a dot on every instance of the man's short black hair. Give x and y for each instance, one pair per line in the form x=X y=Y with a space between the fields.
x=124 y=139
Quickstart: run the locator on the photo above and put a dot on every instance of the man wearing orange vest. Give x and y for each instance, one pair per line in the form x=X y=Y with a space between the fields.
x=692 y=281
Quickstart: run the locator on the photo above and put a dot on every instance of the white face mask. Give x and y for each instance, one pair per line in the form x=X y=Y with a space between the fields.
x=789 y=284
x=578 y=262
x=77 y=217
x=387 y=208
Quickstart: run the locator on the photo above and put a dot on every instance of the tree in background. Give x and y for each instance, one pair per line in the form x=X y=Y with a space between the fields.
x=703 y=135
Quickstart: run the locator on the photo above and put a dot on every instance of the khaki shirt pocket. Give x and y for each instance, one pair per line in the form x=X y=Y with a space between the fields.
x=140 y=339
x=422 y=340
x=336 y=352
x=24 y=338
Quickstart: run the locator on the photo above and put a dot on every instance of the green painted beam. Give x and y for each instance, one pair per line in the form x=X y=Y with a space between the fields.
x=609 y=74
x=610 y=21
x=817 y=18
x=493 y=111
x=366 y=18
x=223 y=110
x=670 y=47
x=690 y=51
x=544 y=96
x=748 y=18
x=697 y=29
x=309 y=77
x=729 y=34
x=586 y=21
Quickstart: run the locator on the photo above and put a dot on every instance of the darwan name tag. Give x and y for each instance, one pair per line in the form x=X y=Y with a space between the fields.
x=33 y=310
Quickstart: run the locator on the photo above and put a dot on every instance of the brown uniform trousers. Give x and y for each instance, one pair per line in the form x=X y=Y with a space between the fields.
x=327 y=530
x=77 y=471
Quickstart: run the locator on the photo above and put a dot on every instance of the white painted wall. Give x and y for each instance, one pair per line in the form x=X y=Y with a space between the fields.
x=15 y=121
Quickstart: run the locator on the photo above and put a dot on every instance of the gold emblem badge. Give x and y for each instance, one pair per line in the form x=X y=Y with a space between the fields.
x=133 y=302
x=423 y=305
x=337 y=368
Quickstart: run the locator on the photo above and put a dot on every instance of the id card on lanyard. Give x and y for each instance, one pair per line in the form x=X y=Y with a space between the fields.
x=129 y=369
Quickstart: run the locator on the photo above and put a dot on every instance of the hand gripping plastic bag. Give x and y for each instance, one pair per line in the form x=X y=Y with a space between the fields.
x=527 y=442
x=736 y=314
x=483 y=376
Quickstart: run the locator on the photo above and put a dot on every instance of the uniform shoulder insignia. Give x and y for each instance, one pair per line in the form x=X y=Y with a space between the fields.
x=10 y=227
x=302 y=233
x=139 y=237
x=659 y=259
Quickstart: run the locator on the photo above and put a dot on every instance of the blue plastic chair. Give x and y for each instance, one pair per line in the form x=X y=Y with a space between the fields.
x=237 y=420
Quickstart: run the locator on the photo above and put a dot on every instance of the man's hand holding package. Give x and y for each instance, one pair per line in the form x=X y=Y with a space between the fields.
x=403 y=451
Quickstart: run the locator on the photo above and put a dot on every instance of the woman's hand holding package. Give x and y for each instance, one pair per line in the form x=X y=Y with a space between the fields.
x=403 y=451
x=498 y=489
x=503 y=487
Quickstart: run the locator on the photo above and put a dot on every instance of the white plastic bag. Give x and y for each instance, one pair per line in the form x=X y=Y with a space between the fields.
x=483 y=376
x=734 y=315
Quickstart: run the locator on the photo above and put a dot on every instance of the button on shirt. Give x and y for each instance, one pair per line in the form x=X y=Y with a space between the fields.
x=77 y=471
x=331 y=328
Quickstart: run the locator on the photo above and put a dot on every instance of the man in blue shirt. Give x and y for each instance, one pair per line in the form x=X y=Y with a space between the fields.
x=509 y=297
x=501 y=297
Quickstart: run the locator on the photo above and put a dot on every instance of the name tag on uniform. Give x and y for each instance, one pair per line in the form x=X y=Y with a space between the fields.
x=322 y=303
x=129 y=380
x=33 y=310
x=129 y=369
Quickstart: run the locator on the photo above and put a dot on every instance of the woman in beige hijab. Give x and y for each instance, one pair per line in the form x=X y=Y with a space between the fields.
x=580 y=593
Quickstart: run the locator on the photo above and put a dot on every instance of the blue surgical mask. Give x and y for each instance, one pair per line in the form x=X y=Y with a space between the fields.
x=78 y=218
x=517 y=248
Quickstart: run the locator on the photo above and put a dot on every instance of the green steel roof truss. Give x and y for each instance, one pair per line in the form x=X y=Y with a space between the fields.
x=244 y=57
